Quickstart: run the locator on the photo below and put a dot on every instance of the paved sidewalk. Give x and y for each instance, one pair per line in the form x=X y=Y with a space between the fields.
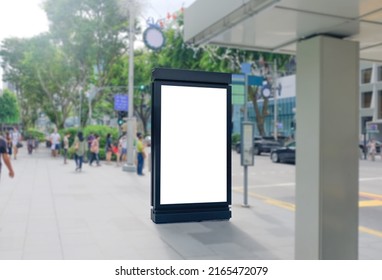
x=48 y=211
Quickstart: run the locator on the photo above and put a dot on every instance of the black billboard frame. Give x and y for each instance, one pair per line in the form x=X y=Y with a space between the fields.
x=186 y=212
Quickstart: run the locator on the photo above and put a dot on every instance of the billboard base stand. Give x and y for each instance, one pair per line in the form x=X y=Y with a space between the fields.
x=173 y=216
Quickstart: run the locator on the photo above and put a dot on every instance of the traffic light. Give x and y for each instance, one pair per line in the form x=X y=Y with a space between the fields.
x=121 y=116
x=144 y=88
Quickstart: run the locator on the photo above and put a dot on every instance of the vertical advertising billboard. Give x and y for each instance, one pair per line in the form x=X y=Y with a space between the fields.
x=191 y=154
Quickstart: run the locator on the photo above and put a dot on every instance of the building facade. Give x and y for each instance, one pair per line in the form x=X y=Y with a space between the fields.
x=370 y=120
x=285 y=106
x=371 y=100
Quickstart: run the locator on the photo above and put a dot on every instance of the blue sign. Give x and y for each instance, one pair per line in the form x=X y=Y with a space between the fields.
x=252 y=80
x=245 y=68
x=121 y=102
x=255 y=80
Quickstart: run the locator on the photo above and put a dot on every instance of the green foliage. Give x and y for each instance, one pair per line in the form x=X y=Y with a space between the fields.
x=93 y=36
x=9 y=112
x=36 y=134
x=235 y=138
x=73 y=133
x=102 y=131
x=44 y=78
x=86 y=45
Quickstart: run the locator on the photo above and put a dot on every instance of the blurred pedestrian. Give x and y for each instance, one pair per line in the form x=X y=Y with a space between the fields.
x=123 y=147
x=8 y=139
x=116 y=151
x=5 y=157
x=55 y=139
x=90 y=140
x=30 y=144
x=94 y=149
x=108 y=148
x=66 y=146
x=80 y=146
x=141 y=155
x=372 y=148
x=16 y=138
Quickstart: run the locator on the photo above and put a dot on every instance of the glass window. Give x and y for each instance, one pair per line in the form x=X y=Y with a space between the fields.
x=366 y=76
x=366 y=99
x=379 y=77
x=380 y=104
x=291 y=145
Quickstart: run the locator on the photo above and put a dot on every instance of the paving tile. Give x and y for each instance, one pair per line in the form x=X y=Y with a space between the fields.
x=11 y=255
x=11 y=242
x=82 y=252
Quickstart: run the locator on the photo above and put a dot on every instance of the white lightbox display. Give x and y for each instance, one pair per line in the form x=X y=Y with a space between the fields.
x=193 y=145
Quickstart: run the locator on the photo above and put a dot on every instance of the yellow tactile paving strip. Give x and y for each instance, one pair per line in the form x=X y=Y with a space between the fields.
x=374 y=200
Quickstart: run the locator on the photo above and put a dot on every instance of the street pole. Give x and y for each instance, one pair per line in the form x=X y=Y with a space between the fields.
x=80 y=110
x=131 y=123
x=245 y=202
x=275 y=93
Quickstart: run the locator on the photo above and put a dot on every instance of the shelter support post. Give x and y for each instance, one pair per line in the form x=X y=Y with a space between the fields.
x=327 y=149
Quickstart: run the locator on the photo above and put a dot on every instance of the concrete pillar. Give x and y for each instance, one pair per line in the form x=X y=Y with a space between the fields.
x=327 y=149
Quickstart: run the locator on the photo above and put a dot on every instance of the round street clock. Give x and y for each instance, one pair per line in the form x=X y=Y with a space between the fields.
x=153 y=38
x=266 y=91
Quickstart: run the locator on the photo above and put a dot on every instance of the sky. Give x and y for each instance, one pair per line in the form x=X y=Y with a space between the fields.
x=25 y=18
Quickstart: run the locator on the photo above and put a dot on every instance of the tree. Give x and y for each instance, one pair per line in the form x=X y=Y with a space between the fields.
x=51 y=72
x=15 y=72
x=93 y=34
x=9 y=112
x=142 y=98
x=261 y=66
x=178 y=54
x=45 y=81
x=86 y=46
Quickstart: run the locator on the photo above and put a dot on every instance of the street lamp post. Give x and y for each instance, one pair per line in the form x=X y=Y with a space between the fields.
x=131 y=122
x=80 y=107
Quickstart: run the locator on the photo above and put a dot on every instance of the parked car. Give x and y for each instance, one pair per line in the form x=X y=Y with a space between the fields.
x=284 y=154
x=261 y=145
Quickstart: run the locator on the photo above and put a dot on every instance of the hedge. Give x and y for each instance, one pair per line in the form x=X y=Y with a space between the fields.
x=101 y=130
x=34 y=133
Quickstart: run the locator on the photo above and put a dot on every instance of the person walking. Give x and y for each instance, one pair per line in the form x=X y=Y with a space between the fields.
x=116 y=151
x=66 y=146
x=372 y=149
x=141 y=155
x=4 y=156
x=80 y=149
x=30 y=144
x=108 y=148
x=90 y=141
x=55 y=139
x=16 y=138
x=8 y=139
x=123 y=147
x=94 y=149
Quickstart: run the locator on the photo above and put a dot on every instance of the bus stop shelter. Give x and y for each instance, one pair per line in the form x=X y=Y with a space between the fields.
x=329 y=38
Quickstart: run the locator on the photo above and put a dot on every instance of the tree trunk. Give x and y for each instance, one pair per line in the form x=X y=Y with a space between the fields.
x=253 y=93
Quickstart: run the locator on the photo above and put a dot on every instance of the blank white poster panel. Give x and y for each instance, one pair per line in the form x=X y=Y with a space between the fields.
x=193 y=145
